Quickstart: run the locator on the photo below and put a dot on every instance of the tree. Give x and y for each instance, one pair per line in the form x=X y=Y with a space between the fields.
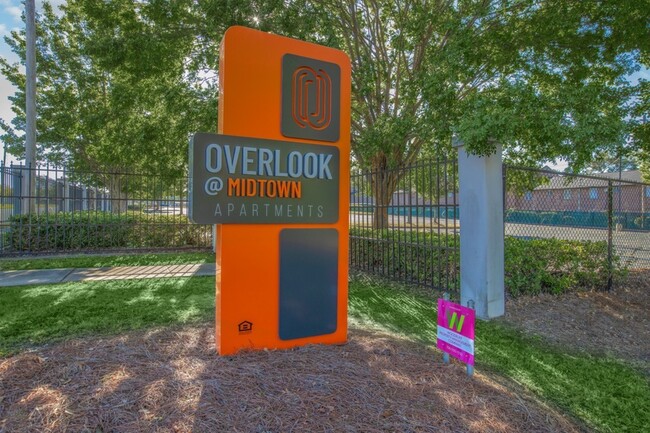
x=641 y=128
x=620 y=159
x=543 y=77
x=644 y=167
x=112 y=92
x=123 y=84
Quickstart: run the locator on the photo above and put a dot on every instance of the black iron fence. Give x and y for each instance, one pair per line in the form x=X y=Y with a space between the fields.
x=404 y=224
x=562 y=231
x=610 y=208
x=50 y=210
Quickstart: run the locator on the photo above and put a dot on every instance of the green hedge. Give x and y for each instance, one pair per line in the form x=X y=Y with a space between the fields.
x=531 y=266
x=406 y=255
x=92 y=230
x=556 y=266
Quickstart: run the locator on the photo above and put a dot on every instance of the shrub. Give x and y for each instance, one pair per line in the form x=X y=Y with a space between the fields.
x=642 y=222
x=157 y=231
x=68 y=231
x=532 y=266
x=93 y=230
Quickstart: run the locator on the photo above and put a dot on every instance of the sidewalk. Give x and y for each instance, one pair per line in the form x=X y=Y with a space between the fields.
x=52 y=276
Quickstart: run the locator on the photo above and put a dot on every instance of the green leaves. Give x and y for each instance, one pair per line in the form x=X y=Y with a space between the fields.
x=555 y=266
x=112 y=92
x=97 y=230
x=543 y=78
x=124 y=83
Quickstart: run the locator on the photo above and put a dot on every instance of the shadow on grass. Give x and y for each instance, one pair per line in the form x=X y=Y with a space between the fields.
x=37 y=314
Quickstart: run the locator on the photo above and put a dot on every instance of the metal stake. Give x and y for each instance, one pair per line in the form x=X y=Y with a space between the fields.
x=445 y=355
x=470 y=368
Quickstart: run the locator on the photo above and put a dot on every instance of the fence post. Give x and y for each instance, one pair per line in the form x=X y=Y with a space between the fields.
x=643 y=192
x=4 y=194
x=610 y=211
x=214 y=238
x=26 y=191
x=504 y=179
x=66 y=192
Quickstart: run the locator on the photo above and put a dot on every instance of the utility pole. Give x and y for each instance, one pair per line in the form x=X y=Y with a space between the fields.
x=620 y=185
x=29 y=182
x=3 y=191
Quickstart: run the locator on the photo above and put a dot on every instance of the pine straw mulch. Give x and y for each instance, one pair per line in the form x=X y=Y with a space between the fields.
x=171 y=380
x=615 y=323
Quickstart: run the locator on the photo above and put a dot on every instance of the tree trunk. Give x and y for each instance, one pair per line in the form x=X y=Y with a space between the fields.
x=383 y=184
x=117 y=193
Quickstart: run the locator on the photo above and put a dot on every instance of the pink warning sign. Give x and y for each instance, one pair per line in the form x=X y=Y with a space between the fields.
x=456 y=330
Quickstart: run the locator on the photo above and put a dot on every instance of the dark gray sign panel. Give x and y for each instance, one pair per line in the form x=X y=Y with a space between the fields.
x=240 y=180
x=308 y=282
x=311 y=98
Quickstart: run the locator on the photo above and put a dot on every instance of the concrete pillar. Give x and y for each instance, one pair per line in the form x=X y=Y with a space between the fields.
x=481 y=232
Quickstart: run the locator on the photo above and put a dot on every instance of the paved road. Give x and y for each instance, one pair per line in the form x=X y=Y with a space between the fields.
x=398 y=221
x=632 y=246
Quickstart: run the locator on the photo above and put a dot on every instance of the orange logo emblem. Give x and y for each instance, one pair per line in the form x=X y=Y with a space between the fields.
x=311 y=98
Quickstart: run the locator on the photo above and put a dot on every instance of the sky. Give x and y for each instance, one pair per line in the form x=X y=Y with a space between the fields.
x=10 y=19
x=10 y=12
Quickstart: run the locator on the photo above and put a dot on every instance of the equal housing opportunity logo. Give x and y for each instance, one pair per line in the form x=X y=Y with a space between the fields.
x=311 y=94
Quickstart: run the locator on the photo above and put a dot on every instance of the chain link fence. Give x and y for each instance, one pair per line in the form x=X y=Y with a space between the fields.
x=562 y=230
x=50 y=209
x=611 y=208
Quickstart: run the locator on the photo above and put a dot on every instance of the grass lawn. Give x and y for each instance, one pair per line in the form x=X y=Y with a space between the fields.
x=39 y=314
x=101 y=261
x=605 y=394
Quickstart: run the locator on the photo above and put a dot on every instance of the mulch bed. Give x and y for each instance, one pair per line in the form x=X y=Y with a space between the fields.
x=615 y=323
x=171 y=380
